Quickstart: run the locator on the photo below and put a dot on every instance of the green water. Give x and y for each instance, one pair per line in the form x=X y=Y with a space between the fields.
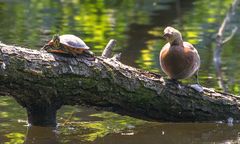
x=137 y=26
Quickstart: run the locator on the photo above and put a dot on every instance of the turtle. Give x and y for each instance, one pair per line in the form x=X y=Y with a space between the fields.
x=67 y=44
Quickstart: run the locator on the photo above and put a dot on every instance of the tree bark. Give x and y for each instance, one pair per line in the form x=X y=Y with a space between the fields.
x=42 y=82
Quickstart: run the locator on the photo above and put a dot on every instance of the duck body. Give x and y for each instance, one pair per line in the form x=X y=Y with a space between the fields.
x=179 y=60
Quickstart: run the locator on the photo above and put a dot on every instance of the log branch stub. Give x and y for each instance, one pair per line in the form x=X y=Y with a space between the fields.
x=117 y=57
x=42 y=82
x=42 y=115
x=107 y=52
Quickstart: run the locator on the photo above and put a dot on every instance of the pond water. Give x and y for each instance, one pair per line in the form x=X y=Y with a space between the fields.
x=137 y=26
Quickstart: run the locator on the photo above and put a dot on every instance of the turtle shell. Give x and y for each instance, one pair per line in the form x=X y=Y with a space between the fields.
x=73 y=41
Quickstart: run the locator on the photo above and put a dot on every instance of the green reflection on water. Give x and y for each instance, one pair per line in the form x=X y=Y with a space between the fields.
x=12 y=119
x=92 y=124
x=31 y=23
x=15 y=138
x=75 y=124
x=137 y=26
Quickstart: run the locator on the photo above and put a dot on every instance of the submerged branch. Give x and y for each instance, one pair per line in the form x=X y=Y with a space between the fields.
x=220 y=40
x=231 y=36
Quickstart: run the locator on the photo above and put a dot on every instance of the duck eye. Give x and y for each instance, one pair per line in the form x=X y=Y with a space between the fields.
x=166 y=35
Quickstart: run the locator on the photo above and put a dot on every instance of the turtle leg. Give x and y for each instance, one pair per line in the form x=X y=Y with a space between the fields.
x=56 y=51
x=45 y=47
x=88 y=53
x=74 y=55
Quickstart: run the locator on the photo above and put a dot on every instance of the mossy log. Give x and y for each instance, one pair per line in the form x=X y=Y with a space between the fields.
x=42 y=82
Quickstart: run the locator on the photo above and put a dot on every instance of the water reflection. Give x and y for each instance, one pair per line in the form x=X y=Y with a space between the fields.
x=88 y=126
x=152 y=133
x=12 y=121
x=75 y=124
x=41 y=135
x=177 y=134
x=137 y=26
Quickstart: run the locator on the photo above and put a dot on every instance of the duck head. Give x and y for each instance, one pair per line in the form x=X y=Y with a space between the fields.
x=172 y=35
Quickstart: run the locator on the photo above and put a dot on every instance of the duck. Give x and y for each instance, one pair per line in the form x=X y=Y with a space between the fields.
x=178 y=59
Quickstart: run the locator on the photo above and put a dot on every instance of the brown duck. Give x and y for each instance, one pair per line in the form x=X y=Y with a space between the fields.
x=178 y=59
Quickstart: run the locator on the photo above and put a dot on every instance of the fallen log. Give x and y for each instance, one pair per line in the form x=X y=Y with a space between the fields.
x=42 y=82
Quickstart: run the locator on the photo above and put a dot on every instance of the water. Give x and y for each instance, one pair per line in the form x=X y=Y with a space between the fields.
x=137 y=25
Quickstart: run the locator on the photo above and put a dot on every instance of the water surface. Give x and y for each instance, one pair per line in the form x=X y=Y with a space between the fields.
x=137 y=25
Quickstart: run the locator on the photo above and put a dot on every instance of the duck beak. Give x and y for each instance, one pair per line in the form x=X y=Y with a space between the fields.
x=166 y=35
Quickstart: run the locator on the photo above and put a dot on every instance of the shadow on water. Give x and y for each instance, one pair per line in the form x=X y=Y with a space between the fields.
x=137 y=26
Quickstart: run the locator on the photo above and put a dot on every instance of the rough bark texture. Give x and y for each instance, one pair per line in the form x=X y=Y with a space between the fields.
x=43 y=82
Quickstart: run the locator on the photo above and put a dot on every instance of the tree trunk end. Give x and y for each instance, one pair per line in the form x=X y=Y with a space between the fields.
x=42 y=116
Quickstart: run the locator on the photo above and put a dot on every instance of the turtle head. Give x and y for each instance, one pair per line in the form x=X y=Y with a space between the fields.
x=171 y=34
x=56 y=41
